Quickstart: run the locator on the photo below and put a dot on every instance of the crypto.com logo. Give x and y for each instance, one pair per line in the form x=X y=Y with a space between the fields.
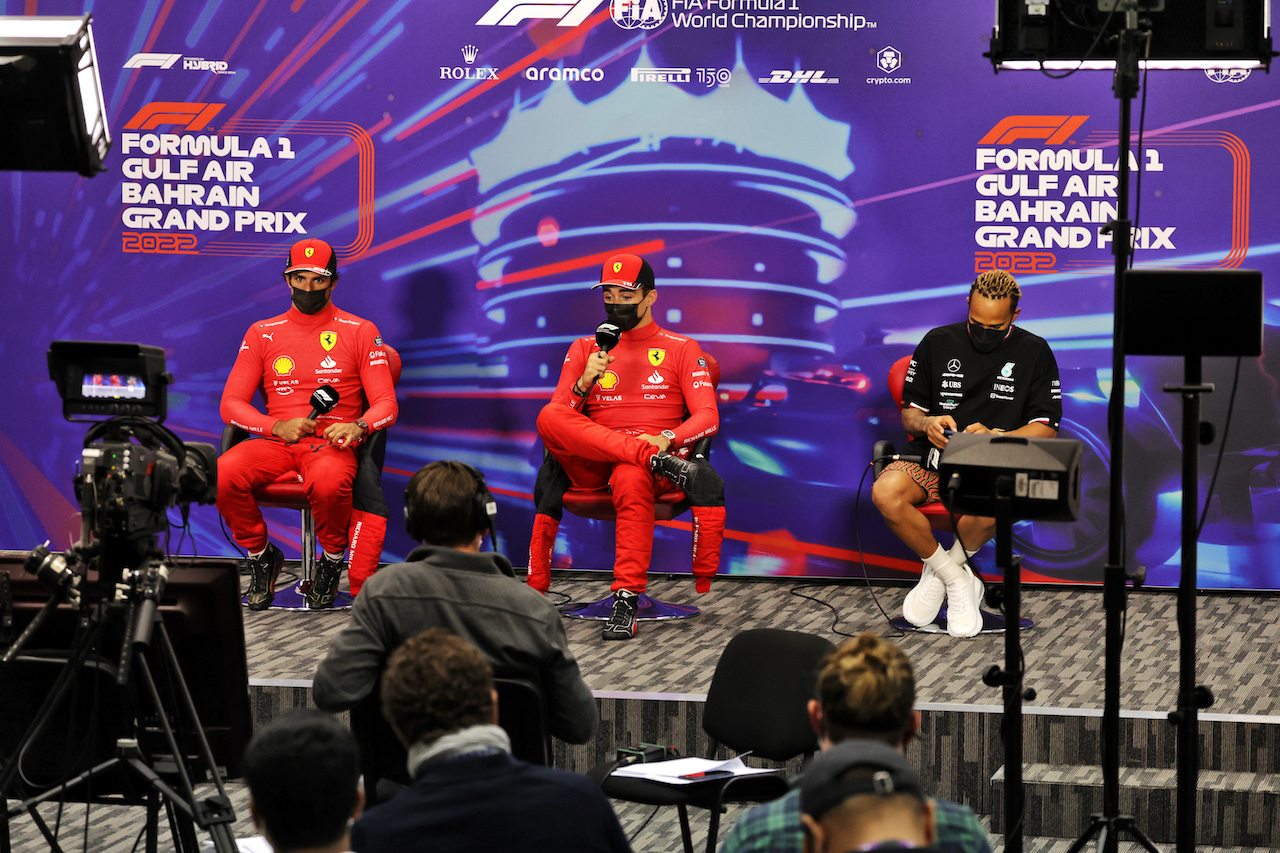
x=889 y=59
x=508 y=13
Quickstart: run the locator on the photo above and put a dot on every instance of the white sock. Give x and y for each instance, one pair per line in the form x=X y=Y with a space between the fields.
x=337 y=558
x=259 y=554
x=957 y=553
x=945 y=567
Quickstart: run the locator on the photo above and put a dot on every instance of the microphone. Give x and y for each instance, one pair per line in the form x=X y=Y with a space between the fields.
x=322 y=401
x=607 y=337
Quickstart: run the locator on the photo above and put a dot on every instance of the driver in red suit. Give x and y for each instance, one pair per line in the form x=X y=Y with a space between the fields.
x=287 y=358
x=617 y=421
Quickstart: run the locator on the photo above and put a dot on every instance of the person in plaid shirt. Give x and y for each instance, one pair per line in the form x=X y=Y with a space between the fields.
x=867 y=690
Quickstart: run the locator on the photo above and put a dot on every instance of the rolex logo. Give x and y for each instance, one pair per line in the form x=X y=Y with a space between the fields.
x=470 y=52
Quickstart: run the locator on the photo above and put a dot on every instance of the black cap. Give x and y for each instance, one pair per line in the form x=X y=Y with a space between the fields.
x=822 y=788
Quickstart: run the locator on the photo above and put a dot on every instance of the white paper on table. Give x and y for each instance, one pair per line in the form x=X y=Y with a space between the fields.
x=673 y=772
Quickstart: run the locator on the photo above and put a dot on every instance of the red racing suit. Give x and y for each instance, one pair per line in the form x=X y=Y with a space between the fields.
x=287 y=358
x=656 y=376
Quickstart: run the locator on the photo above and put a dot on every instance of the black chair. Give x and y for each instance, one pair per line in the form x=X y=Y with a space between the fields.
x=757 y=702
x=522 y=713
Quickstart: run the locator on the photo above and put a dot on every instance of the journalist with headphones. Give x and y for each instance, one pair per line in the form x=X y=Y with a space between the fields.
x=449 y=582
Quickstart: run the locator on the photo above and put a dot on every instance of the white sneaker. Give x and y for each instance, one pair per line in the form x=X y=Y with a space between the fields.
x=964 y=596
x=925 y=599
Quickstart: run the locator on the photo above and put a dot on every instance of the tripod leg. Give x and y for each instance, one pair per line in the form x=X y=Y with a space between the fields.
x=1130 y=828
x=1097 y=826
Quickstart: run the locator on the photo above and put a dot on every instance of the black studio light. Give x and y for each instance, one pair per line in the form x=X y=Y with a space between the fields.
x=51 y=103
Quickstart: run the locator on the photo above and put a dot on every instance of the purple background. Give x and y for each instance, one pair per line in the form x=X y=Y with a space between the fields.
x=807 y=235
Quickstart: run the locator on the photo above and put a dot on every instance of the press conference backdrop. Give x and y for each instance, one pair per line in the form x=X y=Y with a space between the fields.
x=816 y=182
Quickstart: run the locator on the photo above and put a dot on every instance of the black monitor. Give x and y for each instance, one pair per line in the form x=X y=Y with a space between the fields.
x=1193 y=312
x=202 y=615
x=107 y=379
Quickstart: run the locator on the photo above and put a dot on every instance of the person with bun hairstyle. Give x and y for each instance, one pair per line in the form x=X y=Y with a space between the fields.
x=866 y=691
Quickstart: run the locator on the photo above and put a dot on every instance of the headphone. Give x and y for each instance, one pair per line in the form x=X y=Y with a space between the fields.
x=484 y=508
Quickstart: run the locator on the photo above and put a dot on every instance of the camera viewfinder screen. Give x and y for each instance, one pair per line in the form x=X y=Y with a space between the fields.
x=113 y=386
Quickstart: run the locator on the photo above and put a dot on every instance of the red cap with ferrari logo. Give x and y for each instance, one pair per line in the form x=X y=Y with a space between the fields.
x=312 y=255
x=629 y=271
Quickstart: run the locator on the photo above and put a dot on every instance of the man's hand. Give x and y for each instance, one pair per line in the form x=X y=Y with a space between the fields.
x=659 y=441
x=293 y=429
x=597 y=363
x=934 y=428
x=343 y=435
x=980 y=429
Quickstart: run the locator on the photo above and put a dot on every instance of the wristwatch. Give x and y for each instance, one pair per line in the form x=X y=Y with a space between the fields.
x=360 y=422
x=668 y=435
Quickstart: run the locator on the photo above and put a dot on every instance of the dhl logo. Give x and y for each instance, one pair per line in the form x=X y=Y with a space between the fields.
x=185 y=116
x=1054 y=130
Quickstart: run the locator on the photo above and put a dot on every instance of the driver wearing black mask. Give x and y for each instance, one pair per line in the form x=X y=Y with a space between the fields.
x=981 y=376
x=283 y=360
x=617 y=420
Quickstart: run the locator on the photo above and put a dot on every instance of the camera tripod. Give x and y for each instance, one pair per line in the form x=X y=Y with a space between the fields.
x=148 y=668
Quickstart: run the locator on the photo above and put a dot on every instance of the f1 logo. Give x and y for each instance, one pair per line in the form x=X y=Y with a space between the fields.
x=1054 y=130
x=508 y=13
x=152 y=60
x=187 y=116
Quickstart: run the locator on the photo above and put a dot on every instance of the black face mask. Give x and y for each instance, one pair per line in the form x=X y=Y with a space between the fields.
x=309 y=301
x=985 y=340
x=624 y=315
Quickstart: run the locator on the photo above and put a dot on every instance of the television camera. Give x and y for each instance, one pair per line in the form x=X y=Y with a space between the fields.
x=132 y=470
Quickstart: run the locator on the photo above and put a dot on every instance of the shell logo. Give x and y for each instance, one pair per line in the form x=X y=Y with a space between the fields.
x=609 y=380
x=283 y=365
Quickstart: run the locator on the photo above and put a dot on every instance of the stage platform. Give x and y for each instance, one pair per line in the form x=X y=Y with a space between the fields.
x=651 y=689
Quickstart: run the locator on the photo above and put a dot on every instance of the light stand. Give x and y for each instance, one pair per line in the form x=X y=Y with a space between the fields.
x=1009 y=478
x=1107 y=825
x=1177 y=326
x=1030 y=36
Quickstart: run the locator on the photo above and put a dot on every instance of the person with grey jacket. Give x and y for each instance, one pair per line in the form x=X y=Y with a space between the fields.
x=450 y=583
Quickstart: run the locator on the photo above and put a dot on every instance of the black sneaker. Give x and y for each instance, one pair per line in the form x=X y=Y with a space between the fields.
x=622 y=621
x=324 y=586
x=680 y=472
x=262 y=578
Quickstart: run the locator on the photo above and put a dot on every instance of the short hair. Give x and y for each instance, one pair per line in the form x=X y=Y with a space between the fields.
x=867 y=689
x=440 y=504
x=436 y=683
x=303 y=772
x=997 y=284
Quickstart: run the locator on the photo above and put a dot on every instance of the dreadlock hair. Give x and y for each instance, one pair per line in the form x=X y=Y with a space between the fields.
x=997 y=284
